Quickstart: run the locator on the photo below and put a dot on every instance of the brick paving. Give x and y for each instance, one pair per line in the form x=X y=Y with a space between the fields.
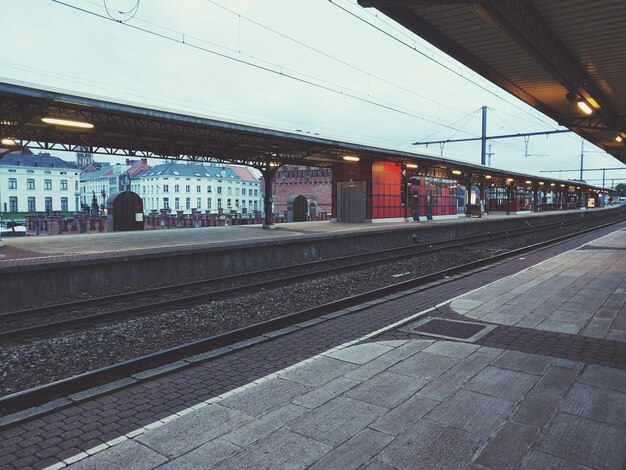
x=62 y=434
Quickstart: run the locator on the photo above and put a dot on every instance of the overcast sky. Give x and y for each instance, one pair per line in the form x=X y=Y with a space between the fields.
x=294 y=65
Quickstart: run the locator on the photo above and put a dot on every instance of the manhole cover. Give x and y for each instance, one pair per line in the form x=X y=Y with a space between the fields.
x=449 y=329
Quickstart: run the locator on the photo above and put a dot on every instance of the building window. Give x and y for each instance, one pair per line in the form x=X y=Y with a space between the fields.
x=31 y=204
x=237 y=192
x=166 y=202
x=75 y=185
x=199 y=203
x=188 y=203
x=12 y=183
x=198 y=189
x=208 y=189
x=229 y=191
x=48 y=204
x=219 y=203
x=256 y=192
x=177 y=203
x=208 y=203
x=64 y=204
x=166 y=188
x=47 y=184
x=228 y=203
x=13 y=204
x=30 y=184
x=187 y=188
x=63 y=186
x=176 y=188
x=219 y=190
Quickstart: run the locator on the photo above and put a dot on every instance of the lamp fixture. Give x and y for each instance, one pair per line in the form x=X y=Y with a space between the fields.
x=456 y=172
x=508 y=180
x=411 y=165
x=540 y=183
x=528 y=182
x=350 y=158
x=552 y=184
x=488 y=177
x=618 y=138
x=67 y=123
x=562 y=185
x=9 y=142
x=584 y=107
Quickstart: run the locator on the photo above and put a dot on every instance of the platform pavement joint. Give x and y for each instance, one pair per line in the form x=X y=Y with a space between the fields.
x=70 y=432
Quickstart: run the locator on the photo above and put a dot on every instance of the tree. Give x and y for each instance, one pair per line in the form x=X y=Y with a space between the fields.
x=620 y=189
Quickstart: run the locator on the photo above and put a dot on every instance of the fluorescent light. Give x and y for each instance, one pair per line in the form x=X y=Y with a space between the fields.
x=456 y=172
x=552 y=184
x=350 y=158
x=508 y=180
x=411 y=165
x=9 y=142
x=488 y=177
x=540 y=183
x=584 y=107
x=528 y=182
x=67 y=123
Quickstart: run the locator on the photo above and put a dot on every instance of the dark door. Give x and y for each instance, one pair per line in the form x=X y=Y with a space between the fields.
x=351 y=201
x=125 y=212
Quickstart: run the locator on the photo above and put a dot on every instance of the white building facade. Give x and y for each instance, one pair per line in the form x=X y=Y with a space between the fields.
x=32 y=183
x=183 y=187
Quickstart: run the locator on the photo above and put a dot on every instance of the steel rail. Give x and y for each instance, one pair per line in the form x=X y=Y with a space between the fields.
x=151 y=307
x=48 y=392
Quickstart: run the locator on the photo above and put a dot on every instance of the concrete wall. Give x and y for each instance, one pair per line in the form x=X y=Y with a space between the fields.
x=54 y=282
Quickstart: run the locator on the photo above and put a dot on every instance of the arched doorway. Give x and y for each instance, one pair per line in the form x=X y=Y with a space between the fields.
x=297 y=209
x=124 y=212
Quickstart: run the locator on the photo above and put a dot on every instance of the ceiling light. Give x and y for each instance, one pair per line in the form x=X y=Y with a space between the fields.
x=552 y=184
x=67 y=123
x=488 y=177
x=350 y=158
x=562 y=185
x=456 y=172
x=508 y=180
x=528 y=182
x=9 y=142
x=618 y=138
x=411 y=165
x=540 y=183
x=584 y=107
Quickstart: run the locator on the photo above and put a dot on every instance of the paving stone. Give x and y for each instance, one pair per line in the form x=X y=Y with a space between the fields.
x=256 y=429
x=502 y=383
x=473 y=412
x=360 y=353
x=387 y=389
x=424 y=365
x=508 y=447
x=604 y=377
x=559 y=326
x=538 y=460
x=388 y=359
x=429 y=445
x=193 y=430
x=355 y=451
x=129 y=454
x=596 y=403
x=451 y=380
x=597 y=328
x=523 y=362
x=338 y=420
x=204 y=457
x=404 y=415
x=452 y=349
x=318 y=372
x=584 y=442
x=376 y=465
x=265 y=397
x=326 y=392
x=280 y=449
x=464 y=304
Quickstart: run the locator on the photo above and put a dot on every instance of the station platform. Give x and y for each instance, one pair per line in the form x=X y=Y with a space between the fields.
x=542 y=384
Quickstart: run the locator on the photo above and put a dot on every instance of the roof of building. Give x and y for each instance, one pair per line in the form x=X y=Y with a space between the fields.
x=40 y=160
x=244 y=173
x=188 y=171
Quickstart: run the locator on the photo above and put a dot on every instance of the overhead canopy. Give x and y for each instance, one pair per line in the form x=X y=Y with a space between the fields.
x=548 y=53
x=129 y=130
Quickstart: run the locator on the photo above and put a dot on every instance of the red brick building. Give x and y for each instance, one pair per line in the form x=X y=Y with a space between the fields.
x=314 y=183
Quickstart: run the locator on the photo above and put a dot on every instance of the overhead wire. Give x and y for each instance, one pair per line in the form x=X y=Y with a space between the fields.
x=281 y=71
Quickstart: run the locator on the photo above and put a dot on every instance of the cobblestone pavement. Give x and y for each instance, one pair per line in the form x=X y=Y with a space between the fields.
x=96 y=424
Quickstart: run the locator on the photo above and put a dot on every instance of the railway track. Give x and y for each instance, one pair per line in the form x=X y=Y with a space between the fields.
x=83 y=381
x=51 y=319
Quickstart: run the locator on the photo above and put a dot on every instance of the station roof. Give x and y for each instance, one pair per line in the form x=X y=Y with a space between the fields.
x=548 y=53
x=135 y=131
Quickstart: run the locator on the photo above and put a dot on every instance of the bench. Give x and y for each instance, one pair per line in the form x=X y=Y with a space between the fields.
x=473 y=209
